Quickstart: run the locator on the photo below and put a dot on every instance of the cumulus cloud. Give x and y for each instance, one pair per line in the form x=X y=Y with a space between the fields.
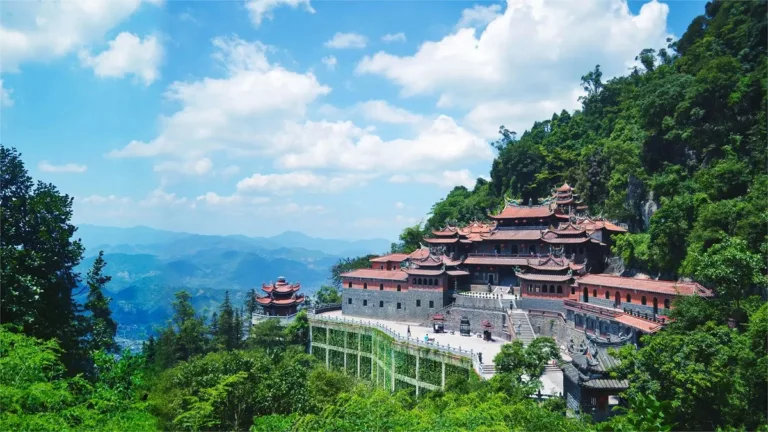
x=263 y=9
x=446 y=179
x=345 y=146
x=330 y=62
x=127 y=55
x=46 y=166
x=5 y=96
x=347 y=40
x=288 y=183
x=160 y=198
x=44 y=30
x=236 y=111
x=393 y=37
x=191 y=167
x=382 y=111
x=478 y=16
x=535 y=50
x=109 y=199
x=399 y=205
x=230 y=170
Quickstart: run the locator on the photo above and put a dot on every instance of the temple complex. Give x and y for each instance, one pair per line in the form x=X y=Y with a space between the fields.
x=532 y=270
x=281 y=299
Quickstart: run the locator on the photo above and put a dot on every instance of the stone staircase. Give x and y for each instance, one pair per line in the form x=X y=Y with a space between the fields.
x=526 y=330
x=488 y=369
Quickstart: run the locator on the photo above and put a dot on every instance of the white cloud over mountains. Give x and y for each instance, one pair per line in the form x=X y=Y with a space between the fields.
x=533 y=51
x=127 y=55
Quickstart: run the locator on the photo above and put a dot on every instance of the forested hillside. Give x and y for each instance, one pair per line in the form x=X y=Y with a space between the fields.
x=684 y=133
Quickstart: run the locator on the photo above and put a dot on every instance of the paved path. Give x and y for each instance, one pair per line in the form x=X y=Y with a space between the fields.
x=488 y=349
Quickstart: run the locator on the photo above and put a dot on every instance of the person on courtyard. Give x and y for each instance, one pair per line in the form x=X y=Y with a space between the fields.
x=409 y=331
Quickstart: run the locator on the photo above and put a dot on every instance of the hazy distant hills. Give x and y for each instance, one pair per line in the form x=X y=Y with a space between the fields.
x=148 y=266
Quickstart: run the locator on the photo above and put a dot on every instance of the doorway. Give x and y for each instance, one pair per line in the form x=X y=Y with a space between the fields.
x=586 y=295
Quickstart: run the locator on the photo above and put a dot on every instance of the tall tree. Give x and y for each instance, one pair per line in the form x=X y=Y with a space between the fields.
x=38 y=255
x=348 y=264
x=227 y=331
x=101 y=327
x=190 y=337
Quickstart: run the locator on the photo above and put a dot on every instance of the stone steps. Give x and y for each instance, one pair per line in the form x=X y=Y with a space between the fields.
x=526 y=334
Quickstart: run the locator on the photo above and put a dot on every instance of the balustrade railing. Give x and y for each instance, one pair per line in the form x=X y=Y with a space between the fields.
x=395 y=335
x=505 y=255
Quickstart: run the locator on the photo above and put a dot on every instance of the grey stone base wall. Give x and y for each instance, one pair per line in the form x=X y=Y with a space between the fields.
x=548 y=325
x=475 y=302
x=476 y=317
x=527 y=303
x=634 y=306
x=409 y=311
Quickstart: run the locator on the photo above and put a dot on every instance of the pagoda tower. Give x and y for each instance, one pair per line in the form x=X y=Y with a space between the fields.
x=281 y=299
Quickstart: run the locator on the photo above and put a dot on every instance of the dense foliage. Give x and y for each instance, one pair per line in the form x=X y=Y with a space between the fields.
x=685 y=131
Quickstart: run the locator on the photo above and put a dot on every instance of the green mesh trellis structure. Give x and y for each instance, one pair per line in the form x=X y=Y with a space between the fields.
x=368 y=353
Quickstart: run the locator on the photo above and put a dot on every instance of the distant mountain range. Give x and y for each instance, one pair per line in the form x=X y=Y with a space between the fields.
x=148 y=266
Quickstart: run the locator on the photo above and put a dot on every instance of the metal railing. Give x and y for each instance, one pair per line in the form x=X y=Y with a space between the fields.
x=395 y=335
x=325 y=307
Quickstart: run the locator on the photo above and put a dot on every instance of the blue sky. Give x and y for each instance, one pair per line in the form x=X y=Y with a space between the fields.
x=335 y=118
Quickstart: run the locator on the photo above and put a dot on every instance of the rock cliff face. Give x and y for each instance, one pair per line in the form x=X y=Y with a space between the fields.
x=648 y=209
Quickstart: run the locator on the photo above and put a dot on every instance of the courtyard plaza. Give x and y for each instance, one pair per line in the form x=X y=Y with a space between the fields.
x=552 y=380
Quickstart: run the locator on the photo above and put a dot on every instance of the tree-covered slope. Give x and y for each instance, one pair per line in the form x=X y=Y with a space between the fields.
x=685 y=133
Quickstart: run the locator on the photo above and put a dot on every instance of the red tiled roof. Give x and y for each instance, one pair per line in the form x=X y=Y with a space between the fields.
x=441 y=240
x=458 y=273
x=420 y=253
x=422 y=272
x=502 y=234
x=567 y=240
x=564 y=188
x=518 y=212
x=496 y=261
x=447 y=231
x=638 y=323
x=543 y=277
x=377 y=274
x=649 y=285
x=396 y=257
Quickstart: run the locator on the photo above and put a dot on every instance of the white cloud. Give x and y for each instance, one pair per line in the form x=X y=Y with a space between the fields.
x=446 y=179
x=261 y=9
x=5 y=96
x=536 y=50
x=293 y=208
x=127 y=55
x=109 y=199
x=190 y=167
x=160 y=198
x=287 y=183
x=347 y=40
x=399 y=205
x=382 y=111
x=330 y=62
x=345 y=146
x=214 y=199
x=230 y=170
x=46 y=166
x=232 y=113
x=479 y=16
x=393 y=37
x=44 y=30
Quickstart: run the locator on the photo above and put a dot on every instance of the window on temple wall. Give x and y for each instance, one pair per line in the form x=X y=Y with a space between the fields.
x=666 y=303
x=559 y=289
x=381 y=303
x=414 y=281
x=349 y=301
x=365 y=302
x=629 y=298
x=365 y=285
x=419 y=282
x=655 y=305
x=381 y=287
x=573 y=291
x=607 y=295
x=431 y=304
x=552 y=289
x=399 y=306
x=398 y=288
x=642 y=300
x=349 y=285
x=618 y=298
x=418 y=303
x=594 y=293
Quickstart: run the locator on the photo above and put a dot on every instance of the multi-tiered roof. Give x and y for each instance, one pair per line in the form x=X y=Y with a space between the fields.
x=281 y=299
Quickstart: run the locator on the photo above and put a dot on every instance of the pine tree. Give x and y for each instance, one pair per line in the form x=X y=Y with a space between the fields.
x=250 y=302
x=191 y=335
x=226 y=325
x=100 y=325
